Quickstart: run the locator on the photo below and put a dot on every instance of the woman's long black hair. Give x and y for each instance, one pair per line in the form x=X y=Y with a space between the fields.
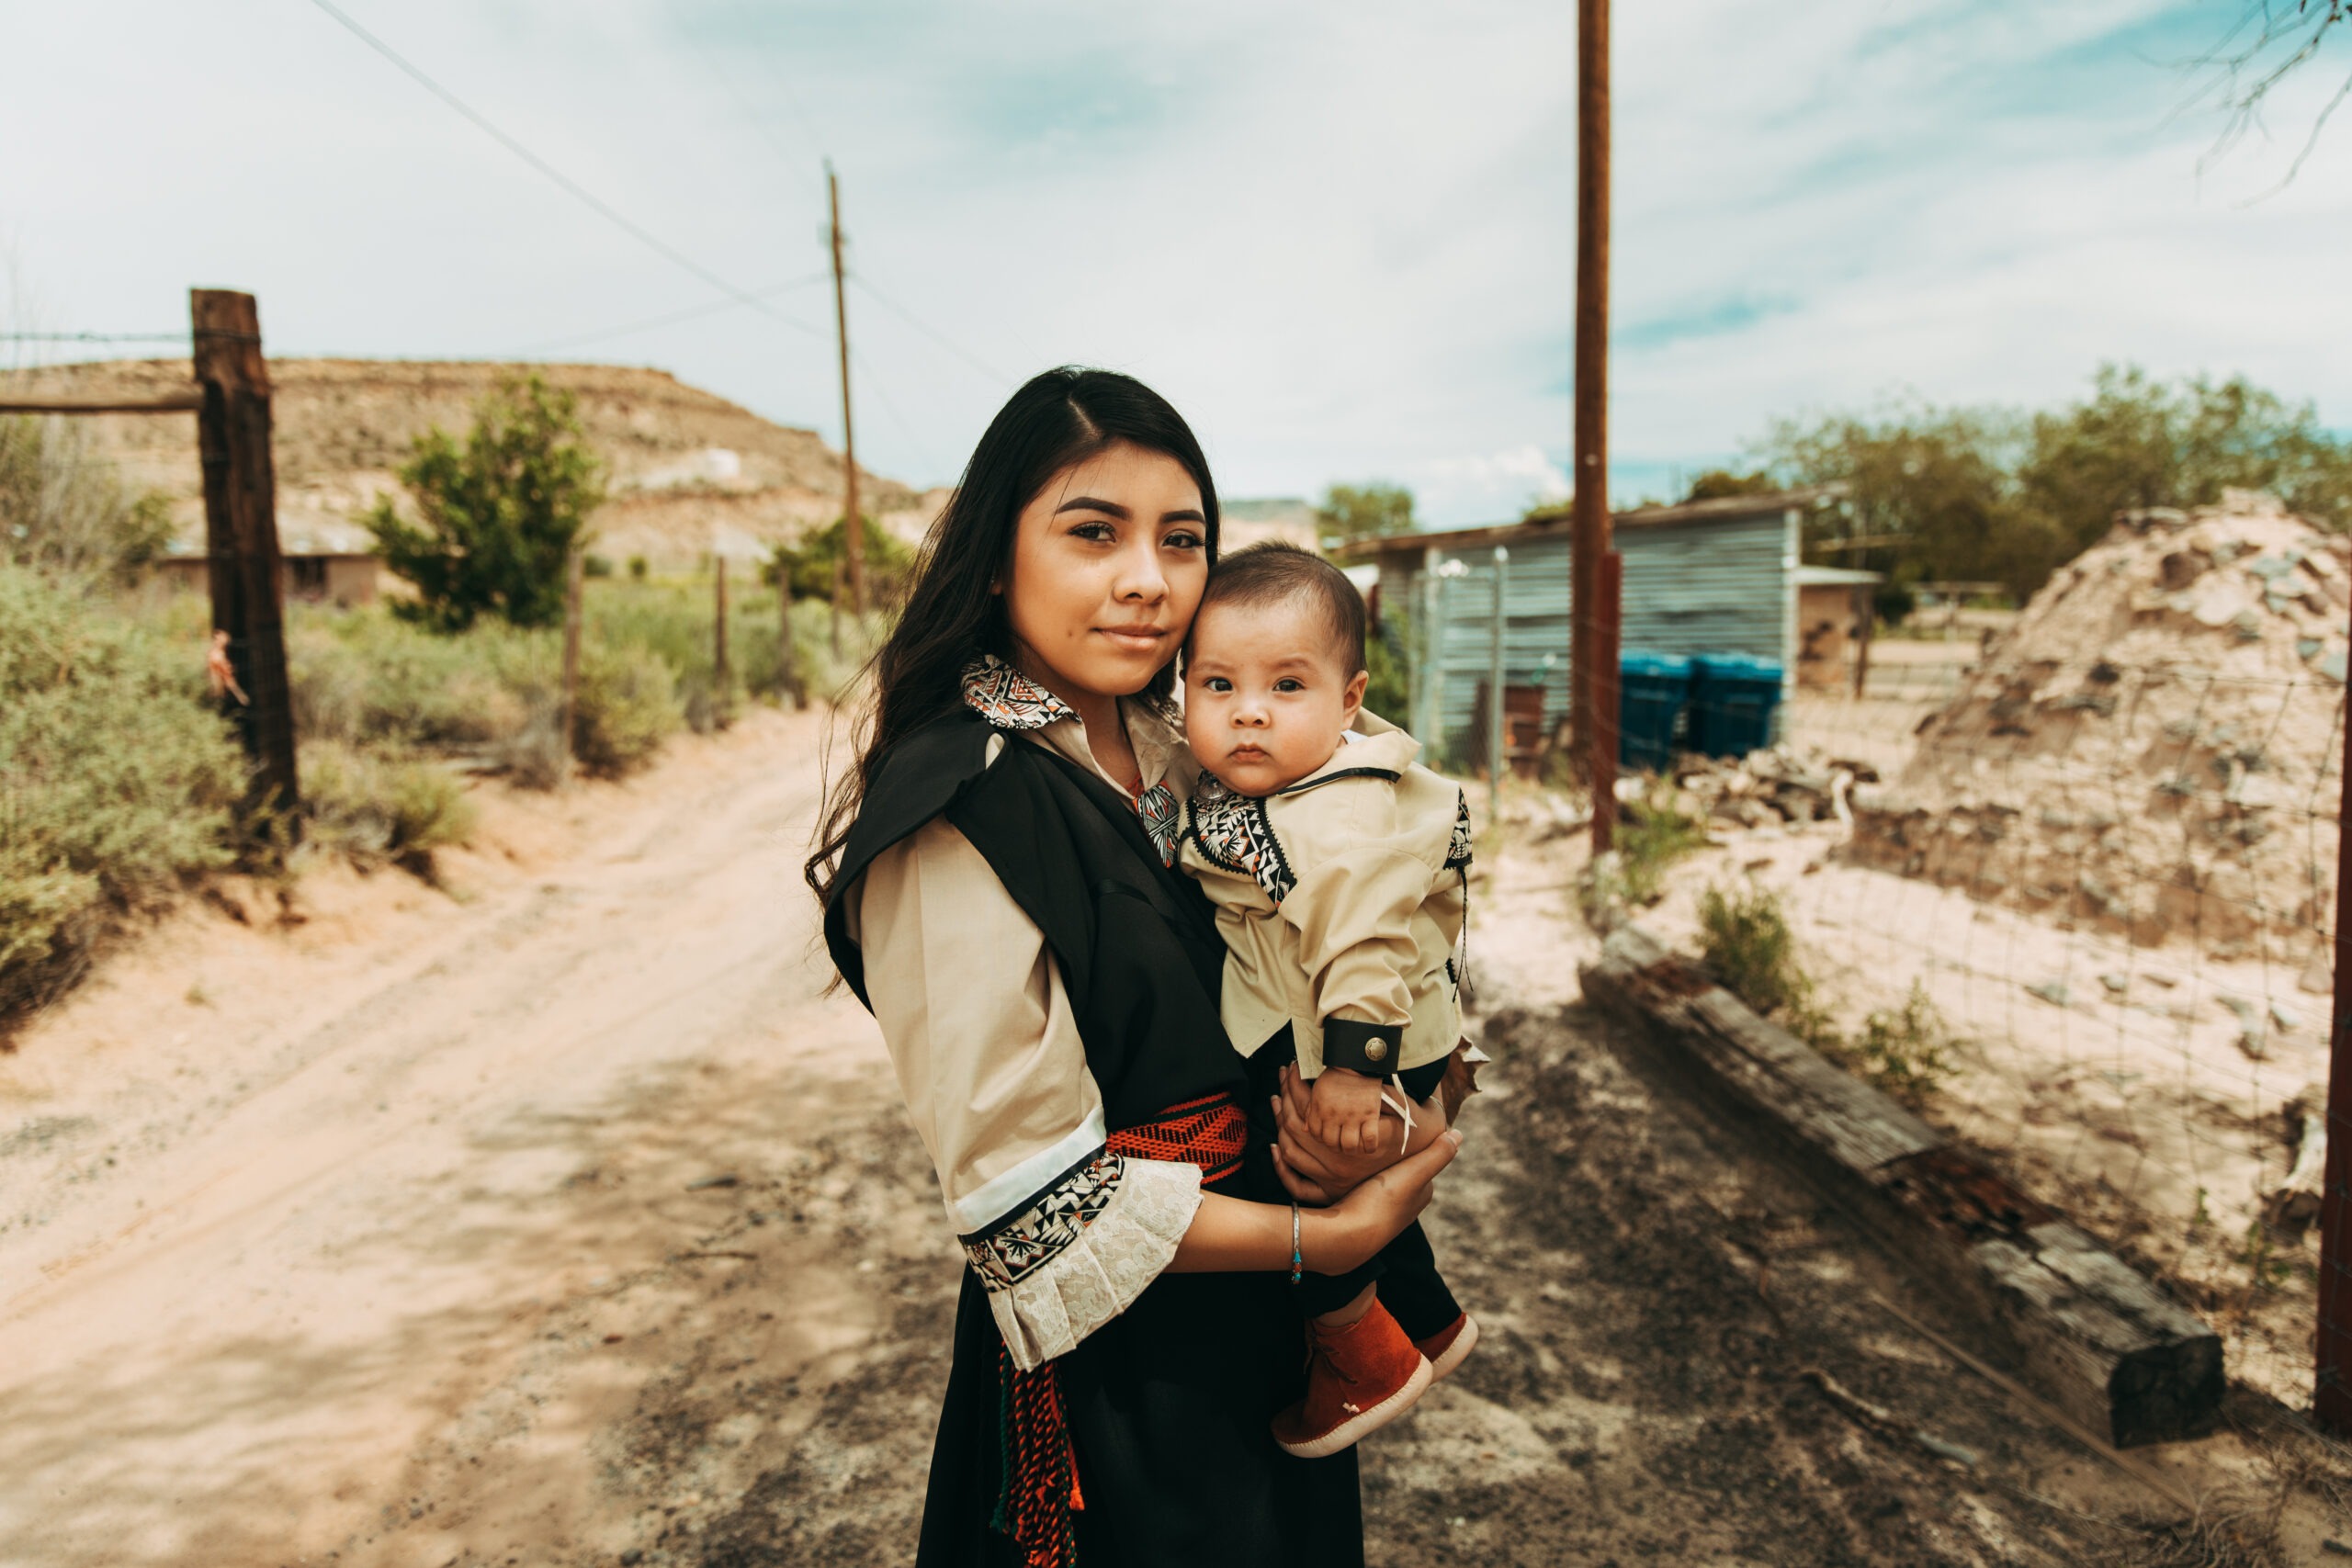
x=950 y=617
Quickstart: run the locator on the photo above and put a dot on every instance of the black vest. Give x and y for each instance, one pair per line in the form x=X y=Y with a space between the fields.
x=1136 y=941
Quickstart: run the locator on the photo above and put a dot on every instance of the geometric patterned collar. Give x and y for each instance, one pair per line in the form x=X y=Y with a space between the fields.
x=1008 y=699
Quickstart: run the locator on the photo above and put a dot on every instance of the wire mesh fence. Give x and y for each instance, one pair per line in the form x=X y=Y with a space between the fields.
x=2082 y=912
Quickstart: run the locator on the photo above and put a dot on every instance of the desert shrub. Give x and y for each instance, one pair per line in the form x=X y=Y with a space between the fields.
x=365 y=679
x=1903 y=1050
x=1745 y=939
x=116 y=781
x=373 y=807
x=1651 y=836
x=628 y=705
x=63 y=506
x=1747 y=942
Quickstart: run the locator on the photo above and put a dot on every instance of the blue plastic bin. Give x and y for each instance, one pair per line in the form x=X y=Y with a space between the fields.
x=1653 y=688
x=1732 y=701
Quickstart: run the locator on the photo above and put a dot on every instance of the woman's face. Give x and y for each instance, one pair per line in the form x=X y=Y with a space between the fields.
x=1108 y=564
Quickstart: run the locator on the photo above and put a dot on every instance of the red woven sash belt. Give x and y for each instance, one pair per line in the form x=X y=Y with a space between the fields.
x=1038 y=1489
x=1210 y=1131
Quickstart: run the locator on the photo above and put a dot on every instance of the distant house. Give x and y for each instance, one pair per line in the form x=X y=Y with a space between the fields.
x=1704 y=577
x=320 y=562
x=1835 y=609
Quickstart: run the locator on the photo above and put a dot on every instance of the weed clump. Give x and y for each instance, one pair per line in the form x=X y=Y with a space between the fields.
x=1746 y=940
x=1652 y=834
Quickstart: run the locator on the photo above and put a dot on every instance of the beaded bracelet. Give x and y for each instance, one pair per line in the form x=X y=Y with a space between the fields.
x=1297 y=1263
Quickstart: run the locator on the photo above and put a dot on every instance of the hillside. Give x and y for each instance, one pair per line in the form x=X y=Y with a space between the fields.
x=689 y=471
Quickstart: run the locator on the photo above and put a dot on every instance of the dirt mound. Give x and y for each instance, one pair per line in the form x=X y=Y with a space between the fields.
x=2154 y=748
x=688 y=471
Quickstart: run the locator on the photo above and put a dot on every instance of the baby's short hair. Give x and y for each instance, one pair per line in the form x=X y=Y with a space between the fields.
x=1271 y=571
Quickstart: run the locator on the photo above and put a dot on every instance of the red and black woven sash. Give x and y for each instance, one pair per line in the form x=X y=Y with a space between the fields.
x=1038 y=1472
x=1210 y=1131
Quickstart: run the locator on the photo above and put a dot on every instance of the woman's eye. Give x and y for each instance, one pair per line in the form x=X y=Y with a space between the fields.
x=1182 y=539
x=1097 y=531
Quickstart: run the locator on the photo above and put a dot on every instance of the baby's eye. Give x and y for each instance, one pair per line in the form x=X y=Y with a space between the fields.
x=1290 y=684
x=1217 y=684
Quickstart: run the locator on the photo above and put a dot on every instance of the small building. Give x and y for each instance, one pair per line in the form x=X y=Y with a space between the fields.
x=1703 y=577
x=320 y=562
x=1834 y=611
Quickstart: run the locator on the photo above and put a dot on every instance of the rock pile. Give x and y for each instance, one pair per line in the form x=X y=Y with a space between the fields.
x=2154 y=748
x=1768 y=789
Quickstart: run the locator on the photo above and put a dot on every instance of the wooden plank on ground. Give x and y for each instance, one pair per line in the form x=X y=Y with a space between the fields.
x=2104 y=1344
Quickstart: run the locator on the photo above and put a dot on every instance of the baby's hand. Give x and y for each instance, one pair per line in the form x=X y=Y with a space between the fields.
x=1346 y=1110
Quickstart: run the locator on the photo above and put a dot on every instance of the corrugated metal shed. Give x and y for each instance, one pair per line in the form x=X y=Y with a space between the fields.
x=1710 y=577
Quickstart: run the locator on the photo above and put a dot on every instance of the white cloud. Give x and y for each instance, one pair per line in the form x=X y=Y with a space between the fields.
x=1338 y=235
x=1488 y=486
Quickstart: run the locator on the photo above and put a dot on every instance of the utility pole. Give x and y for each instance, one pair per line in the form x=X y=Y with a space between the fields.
x=233 y=427
x=1593 y=645
x=1590 y=540
x=852 y=526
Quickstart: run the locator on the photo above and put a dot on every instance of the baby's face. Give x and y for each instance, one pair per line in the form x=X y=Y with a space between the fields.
x=1265 y=699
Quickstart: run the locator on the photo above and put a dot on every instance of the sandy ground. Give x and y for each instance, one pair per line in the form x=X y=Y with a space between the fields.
x=559 y=1218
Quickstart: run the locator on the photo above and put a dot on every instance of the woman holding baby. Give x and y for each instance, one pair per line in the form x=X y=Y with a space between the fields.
x=1001 y=882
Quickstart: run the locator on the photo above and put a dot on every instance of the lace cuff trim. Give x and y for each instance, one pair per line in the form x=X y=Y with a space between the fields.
x=1119 y=1248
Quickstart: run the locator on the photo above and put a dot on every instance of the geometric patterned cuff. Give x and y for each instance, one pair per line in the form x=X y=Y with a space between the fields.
x=1082 y=1253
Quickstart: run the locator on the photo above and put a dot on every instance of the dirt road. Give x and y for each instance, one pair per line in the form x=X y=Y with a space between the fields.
x=565 y=1221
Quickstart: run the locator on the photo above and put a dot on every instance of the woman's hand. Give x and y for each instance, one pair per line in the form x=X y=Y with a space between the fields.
x=1318 y=1172
x=1368 y=1219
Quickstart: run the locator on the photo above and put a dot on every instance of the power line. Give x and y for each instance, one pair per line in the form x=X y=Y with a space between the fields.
x=94 y=337
x=933 y=334
x=715 y=307
x=711 y=62
x=874 y=385
x=589 y=198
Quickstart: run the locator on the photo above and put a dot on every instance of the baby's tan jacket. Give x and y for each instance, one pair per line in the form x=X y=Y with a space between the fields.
x=1339 y=896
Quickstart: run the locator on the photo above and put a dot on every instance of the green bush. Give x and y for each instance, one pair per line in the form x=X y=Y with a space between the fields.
x=1651 y=836
x=116 y=781
x=810 y=565
x=497 y=517
x=372 y=807
x=628 y=705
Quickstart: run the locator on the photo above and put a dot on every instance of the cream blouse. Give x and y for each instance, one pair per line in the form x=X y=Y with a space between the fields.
x=1064 y=1235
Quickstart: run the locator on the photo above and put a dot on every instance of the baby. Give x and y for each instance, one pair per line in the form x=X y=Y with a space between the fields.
x=1337 y=865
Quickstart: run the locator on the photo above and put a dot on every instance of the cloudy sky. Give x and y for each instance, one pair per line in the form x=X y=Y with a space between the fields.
x=1338 y=235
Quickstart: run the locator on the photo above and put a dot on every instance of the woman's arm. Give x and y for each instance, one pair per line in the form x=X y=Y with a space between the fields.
x=1228 y=1234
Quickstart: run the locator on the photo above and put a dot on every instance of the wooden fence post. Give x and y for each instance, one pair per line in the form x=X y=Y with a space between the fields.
x=240 y=533
x=1608 y=683
x=722 y=679
x=787 y=674
x=567 y=723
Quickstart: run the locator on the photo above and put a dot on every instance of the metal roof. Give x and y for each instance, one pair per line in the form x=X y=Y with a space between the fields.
x=1835 y=577
x=1553 y=523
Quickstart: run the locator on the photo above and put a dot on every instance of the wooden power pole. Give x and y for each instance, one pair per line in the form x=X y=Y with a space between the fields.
x=852 y=526
x=1589 y=683
x=241 y=531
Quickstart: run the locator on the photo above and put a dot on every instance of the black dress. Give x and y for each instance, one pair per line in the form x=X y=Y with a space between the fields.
x=1166 y=1406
